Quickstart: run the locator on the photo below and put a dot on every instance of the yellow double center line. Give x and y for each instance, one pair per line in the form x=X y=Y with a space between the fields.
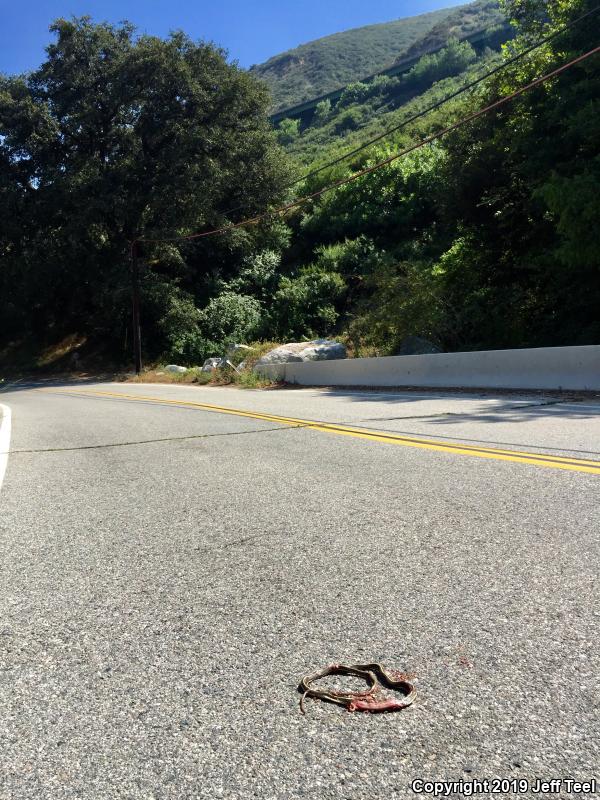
x=383 y=437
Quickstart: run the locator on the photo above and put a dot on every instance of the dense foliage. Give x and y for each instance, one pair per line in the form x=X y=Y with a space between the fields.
x=480 y=15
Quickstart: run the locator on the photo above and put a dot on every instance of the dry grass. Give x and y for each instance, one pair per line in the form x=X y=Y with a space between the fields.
x=51 y=355
x=245 y=378
x=23 y=356
x=158 y=375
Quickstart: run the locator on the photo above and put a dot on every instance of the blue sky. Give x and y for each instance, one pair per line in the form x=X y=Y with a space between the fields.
x=251 y=30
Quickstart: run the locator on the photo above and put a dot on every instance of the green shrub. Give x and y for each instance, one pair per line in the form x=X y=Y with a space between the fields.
x=230 y=317
x=322 y=112
x=288 y=130
x=451 y=60
x=350 y=120
x=405 y=299
x=305 y=306
x=171 y=324
x=354 y=93
x=259 y=275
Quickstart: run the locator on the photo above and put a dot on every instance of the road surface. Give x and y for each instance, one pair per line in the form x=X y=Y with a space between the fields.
x=170 y=571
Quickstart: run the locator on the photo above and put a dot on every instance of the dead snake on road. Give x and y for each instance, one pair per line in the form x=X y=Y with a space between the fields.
x=371 y=699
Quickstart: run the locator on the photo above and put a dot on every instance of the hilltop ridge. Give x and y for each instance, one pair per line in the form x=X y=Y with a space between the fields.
x=325 y=64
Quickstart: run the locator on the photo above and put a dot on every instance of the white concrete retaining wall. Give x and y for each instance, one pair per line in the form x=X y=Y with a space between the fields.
x=539 y=368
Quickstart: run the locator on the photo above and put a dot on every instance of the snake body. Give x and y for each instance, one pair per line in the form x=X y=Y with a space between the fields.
x=370 y=699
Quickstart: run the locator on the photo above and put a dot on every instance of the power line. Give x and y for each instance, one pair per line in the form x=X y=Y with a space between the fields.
x=368 y=170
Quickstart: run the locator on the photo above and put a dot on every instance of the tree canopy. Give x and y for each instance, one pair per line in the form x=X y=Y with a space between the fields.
x=116 y=137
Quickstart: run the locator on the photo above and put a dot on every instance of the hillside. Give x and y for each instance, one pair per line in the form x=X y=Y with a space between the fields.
x=325 y=64
x=365 y=110
x=460 y=22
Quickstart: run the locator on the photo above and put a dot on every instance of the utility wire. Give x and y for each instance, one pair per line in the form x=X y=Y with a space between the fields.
x=368 y=170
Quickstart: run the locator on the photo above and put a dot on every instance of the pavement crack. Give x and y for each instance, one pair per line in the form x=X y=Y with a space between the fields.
x=153 y=441
x=538 y=405
x=414 y=416
x=459 y=413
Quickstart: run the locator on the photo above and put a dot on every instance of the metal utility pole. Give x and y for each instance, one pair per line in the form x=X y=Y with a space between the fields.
x=135 y=306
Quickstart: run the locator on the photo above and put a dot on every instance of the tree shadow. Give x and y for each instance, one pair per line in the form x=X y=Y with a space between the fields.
x=511 y=408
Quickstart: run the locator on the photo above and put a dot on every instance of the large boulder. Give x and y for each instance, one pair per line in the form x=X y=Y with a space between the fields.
x=416 y=346
x=317 y=350
x=175 y=368
x=323 y=350
x=211 y=364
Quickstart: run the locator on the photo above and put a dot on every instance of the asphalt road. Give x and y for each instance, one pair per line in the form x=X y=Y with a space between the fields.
x=169 y=573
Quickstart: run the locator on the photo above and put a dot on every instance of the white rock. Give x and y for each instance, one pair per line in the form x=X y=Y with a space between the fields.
x=233 y=348
x=175 y=368
x=317 y=350
x=211 y=364
x=326 y=351
x=225 y=362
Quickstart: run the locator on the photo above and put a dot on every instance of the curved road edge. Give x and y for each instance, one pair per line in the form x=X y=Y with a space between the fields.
x=5 y=424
